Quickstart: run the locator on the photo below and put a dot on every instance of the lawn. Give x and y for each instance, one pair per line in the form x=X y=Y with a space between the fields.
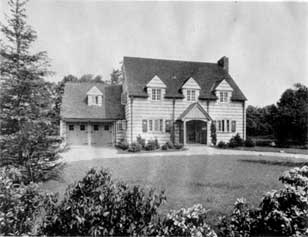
x=274 y=149
x=215 y=181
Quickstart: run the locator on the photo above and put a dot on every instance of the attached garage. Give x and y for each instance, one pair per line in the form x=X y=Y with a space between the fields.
x=89 y=112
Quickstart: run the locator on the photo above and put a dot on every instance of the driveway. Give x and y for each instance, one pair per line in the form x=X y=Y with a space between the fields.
x=77 y=153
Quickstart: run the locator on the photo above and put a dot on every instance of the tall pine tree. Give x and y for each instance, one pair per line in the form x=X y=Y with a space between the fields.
x=24 y=100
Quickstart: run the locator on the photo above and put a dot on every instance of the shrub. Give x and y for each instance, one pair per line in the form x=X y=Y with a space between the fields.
x=141 y=141
x=264 y=142
x=170 y=144
x=183 y=222
x=281 y=212
x=164 y=147
x=122 y=145
x=213 y=134
x=249 y=142
x=134 y=147
x=20 y=205
x=157 y=146
x=222 y=144
x=178 y=146
x=99 y=206
x=152 y=145
x=236 y=141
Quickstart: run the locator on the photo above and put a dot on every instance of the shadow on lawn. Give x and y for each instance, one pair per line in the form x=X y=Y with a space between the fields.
x=276 y=162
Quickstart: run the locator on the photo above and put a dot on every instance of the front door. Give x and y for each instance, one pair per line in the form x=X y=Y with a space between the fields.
x=196 y=131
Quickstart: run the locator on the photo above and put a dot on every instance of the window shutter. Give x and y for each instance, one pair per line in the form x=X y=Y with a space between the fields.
x=233 y=126
x=161 y=125
x=168 y=125
x=124 y=124
x=214 y=122
x=144 y=125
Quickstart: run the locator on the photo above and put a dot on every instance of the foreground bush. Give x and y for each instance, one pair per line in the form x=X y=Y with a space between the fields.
x=281 y=213
x=96 y=205
x=249 y=142
x=183 y=222
x=20 y=205
x=123 y=145
x=222 y=144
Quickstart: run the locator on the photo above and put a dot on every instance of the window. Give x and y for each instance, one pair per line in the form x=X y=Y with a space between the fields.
x=82 y=127
x=71 y=127
x=121 y=125
x=226 y=125
x=156 y=94
x=161 y=125
x=191 y=95
x=223 y=96
x=168 y=125
x=156 y=125
x=106 y=127
x=96 y=100
x=233 y=126
x=95 y=127
x=144 y=125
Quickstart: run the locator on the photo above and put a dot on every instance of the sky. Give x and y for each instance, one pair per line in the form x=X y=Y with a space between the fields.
x=266 y=43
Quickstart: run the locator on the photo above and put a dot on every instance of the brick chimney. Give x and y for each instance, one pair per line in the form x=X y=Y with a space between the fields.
x=224 y=63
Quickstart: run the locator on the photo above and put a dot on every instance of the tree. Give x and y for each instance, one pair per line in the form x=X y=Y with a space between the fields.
x=25 y=100
x=291 y=120
x=213 y=134
x=116 y=77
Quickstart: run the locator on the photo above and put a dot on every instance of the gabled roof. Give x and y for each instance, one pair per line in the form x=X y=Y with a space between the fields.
x=94 y=91
x=156 y=82
x=191 y=83
x=193 y=106
x=139 y=71
x=74 y=102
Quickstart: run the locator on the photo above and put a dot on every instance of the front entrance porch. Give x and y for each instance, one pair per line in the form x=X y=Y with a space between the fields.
x=193 y=125
x=196 y=132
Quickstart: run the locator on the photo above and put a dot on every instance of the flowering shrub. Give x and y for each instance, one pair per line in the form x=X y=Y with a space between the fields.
x=183 y=222
x=152 y=145
x=122 y=145
x=96 y=205
x=281 y=213
x=20 y=205
x=141 y=141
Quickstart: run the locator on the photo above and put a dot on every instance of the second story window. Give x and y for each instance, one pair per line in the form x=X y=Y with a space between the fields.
x=191 y=95
x=156 y=94
x=223 y=96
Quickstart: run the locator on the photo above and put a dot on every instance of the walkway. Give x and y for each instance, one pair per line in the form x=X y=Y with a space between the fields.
x=76 y=153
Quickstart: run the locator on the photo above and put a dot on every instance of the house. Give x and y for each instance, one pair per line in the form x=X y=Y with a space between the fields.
x=159 y=99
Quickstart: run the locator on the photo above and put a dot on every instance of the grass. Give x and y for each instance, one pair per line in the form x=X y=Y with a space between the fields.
x=215 y=181
x=274 y=149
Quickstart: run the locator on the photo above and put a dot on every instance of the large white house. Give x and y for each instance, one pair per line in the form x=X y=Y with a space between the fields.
x=159 y=99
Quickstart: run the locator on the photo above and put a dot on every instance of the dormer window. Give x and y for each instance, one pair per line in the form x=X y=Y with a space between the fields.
x=95 y=96
x=156 y=94
x=191 y=95
x=223 y=96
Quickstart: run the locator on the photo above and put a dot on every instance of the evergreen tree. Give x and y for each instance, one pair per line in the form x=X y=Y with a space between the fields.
x=25 y=100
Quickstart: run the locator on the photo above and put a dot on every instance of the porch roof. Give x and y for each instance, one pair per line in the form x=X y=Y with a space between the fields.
x=195 y=111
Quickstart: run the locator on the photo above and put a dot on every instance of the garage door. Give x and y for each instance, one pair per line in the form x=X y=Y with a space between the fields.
x=76 y=134
x=102 y=134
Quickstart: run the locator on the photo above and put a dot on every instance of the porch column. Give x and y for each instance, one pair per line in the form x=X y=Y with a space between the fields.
x=209 y=140
x=184 y=132
x=89 y=134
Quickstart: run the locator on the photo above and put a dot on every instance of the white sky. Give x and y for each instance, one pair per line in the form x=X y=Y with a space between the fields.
x=266 y=42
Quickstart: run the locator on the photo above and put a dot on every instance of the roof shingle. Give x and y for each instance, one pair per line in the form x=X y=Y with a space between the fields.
x=139 y=71
x=74 y=102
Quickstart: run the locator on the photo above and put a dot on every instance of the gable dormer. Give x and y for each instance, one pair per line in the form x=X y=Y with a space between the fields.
x=191 y=90
x=95 y=96
x=156 y=88
x=223 y=91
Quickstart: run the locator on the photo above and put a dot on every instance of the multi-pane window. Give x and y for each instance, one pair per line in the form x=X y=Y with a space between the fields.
x=121 y=125
x=106 y=127
x=168 y=125
x=156 y=94
x=223 y=96
x=226 y=125
x=155 y=125
x=191 y=95
x=95 y=127
x=71 y=127
x=82 y=127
